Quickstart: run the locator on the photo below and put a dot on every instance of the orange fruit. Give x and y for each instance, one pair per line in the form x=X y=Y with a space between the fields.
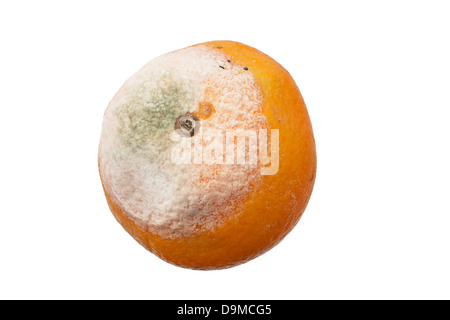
x=207 y=155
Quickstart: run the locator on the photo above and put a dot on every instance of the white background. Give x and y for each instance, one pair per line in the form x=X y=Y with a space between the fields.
x=375 y=76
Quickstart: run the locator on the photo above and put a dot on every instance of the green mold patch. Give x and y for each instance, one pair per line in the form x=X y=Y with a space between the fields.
x=147 y=117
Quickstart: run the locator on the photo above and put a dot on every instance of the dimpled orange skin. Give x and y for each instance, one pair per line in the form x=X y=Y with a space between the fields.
x=276 y=206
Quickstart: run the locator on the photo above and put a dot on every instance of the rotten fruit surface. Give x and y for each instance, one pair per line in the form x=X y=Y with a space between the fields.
x=198 y=214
